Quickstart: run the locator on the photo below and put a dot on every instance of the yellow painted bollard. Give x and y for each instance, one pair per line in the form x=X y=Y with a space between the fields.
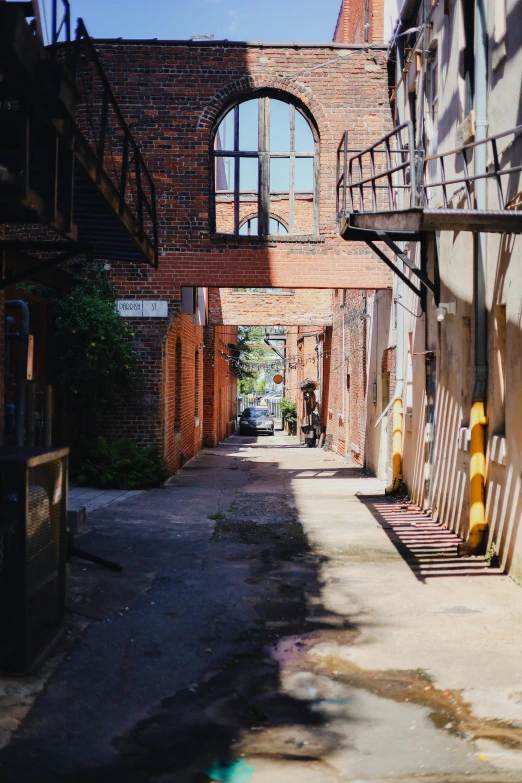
x=397 y=448
x=477 y=472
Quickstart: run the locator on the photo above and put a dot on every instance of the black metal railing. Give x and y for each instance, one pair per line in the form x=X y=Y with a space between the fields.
x=442 y=182
x=391 y=175
x=105 y=130
x=63 y=24
x=382 y=177
x=116 y=150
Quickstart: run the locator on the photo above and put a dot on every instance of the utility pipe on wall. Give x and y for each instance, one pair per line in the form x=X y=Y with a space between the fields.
x=397 y=416
x=21 y=375
x=397 y=412
x=477 y=538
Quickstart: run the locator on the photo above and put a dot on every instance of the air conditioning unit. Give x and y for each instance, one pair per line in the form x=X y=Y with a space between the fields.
x=33 y=549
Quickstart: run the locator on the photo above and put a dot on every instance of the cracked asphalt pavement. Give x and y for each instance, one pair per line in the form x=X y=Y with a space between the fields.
x=271 y=620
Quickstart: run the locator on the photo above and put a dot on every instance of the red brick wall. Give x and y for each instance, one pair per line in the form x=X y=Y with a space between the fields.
x=337 y=424
x=182 y=402
x=143 y=419
x=350 y=22
x=346 y=368
x=171 y=414
x=172 y=94
x=307 y=364
x=219 y=385
x=303 y=306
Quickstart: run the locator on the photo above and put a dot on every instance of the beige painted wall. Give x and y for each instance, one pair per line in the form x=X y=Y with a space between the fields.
x=436 y=457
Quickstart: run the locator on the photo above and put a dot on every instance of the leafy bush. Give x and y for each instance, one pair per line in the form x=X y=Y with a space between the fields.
x=99 y=363
x=289 y=410
x=122 y=464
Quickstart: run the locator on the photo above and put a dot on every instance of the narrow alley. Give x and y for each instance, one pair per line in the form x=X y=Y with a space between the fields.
x=276 y=619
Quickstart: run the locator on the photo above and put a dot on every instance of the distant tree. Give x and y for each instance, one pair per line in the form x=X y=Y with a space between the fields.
x=253 y=349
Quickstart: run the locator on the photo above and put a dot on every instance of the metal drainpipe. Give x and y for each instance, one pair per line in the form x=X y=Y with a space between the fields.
x=343 y=379
x=477 y=514
x=397 y=416
x=21 y=374
x=397 y=412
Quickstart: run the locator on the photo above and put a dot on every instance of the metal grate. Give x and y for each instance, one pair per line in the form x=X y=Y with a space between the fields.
x=33 y=503
x=42 y=528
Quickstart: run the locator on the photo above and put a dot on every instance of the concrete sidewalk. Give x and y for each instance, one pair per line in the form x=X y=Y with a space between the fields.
x=270 y=620
x=93 y=498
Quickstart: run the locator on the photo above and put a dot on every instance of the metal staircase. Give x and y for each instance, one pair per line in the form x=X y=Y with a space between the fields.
x=390 y=192
x=74 y=186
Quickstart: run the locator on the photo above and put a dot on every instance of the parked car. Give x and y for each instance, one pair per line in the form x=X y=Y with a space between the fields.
x=256 y=420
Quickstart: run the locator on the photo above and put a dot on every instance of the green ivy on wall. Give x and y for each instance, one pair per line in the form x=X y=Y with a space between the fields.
x=98 y=364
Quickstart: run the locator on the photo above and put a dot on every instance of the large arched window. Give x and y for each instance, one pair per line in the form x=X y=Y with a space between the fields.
x=264 y=164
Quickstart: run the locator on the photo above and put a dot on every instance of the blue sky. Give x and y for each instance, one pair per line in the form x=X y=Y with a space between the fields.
x=245 y=20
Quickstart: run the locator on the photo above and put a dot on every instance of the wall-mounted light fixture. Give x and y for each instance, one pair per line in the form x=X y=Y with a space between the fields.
x=445 y=308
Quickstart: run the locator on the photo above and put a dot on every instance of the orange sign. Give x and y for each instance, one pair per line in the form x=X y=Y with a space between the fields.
x=278 y=378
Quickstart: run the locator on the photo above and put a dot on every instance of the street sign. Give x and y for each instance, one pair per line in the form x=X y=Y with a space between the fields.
x=155 y=308
x=143 y=308
x=278 y=378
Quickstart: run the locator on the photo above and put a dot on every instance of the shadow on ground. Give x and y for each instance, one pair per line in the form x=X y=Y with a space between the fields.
x=181 y=665
x=429 y=549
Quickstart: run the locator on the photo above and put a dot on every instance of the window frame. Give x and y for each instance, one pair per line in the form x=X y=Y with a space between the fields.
x=265 y=292
x=264 y=155
x=270 y=217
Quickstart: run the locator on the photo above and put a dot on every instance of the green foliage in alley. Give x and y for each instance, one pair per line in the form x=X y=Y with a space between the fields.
x=289 y=410
x=99 y=363
x=122 y=464
x=254 y=349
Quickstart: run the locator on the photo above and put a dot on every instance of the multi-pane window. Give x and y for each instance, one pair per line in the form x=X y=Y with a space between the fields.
x=264 y=170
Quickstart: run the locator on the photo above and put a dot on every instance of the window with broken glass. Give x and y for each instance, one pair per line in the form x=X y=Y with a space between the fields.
x=264 y=172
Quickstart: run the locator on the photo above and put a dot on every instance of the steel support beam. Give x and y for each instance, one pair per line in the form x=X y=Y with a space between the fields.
x=393 y=267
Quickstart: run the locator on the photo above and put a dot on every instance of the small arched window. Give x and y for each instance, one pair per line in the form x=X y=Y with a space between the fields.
x=250 y=226
x=264 y=164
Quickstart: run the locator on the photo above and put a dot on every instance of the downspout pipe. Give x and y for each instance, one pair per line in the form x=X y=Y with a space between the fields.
x=397 y=410
x=21 y=374
x=478 y=529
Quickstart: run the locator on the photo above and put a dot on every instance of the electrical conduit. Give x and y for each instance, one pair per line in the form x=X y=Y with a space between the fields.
x=477 y=538
x=397 y=417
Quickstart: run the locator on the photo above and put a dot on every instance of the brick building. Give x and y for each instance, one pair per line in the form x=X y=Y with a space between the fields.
x=176 y=96
x=175 y=113
x=265 y=307
x=360 y=21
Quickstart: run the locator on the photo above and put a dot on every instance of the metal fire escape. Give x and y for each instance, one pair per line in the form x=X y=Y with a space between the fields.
x=390 y=192
x=71 y=172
